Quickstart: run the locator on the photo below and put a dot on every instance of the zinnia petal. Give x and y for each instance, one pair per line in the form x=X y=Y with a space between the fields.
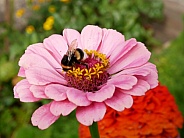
x=91 y=37
x=22 y=91
x=104 y=93
x=70 y=35
x=15 y=93
x=92 y=113
x=38 y=91
x=120 y=101
x=33 y=49
x=123 y=81
x=143 y=70
x=62 y=107
x=32 y=60
x=21 y=72
x=40 y=50
x=147 y=72
x=57 y=45
x=139 y=89
x=42 y=117
x=78 y=97
x=56 y=92
x=42 y=76
x=150 y=77
x=121 y=50
x=111 y=39
x=134 y=58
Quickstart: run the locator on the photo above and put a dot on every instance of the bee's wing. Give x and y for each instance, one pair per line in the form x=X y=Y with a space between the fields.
x=73 y=45
x=71 y=49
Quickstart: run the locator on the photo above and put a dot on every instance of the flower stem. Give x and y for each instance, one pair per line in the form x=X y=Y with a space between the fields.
x=94 y=130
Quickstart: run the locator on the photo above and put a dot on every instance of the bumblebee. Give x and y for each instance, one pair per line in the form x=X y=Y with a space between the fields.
x=72 y=56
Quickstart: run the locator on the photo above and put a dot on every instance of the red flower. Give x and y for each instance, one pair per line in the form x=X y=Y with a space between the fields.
x=154 y=115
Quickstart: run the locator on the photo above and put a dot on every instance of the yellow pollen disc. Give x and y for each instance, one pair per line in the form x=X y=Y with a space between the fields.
x=88 y=74
x=102 y=57
x=76 y=72
x=94 y=71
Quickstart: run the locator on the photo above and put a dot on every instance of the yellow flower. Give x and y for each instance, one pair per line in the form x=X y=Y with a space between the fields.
x=48 y=24
x=30 y=29
x=36 y=7
x=20 y=12
x=52 y=9
x=50 y=20
x=65 y=1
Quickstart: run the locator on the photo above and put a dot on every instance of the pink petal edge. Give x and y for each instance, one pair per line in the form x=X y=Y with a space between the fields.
x=139 y=89
x=43 y=118
x=77 y=97
x=91 y=37
x=101 y=95
x=135 y=57
x=38 y=91
x=42 y=76
x=120 y=101
x=57 y=45
x=40 y=50
x=121 y=50
x=56 y=92
x=111 y=39
x=92 y=113
x=62 y=107
x=70 y=35
x=22 y=91
x=123 y=81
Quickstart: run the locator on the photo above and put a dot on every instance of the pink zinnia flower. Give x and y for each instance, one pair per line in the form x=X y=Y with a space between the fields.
x=117 y=69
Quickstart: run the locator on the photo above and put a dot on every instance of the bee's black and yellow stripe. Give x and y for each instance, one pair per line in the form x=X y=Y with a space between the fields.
x=79 y=54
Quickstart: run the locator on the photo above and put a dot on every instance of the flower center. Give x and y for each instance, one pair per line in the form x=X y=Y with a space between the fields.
x=90 y=73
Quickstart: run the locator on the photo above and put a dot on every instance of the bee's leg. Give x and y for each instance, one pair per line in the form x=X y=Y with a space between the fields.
x=85 y=65
x=82 y=63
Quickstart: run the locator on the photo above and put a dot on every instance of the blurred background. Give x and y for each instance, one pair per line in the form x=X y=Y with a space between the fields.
x=157 y=23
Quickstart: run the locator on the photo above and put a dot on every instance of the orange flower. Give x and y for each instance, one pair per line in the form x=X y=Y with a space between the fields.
x=154 y=115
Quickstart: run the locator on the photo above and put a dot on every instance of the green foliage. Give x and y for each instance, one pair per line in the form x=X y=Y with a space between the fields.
x=132 y=18
x=60 y=129
x=171 y=70
x=7 y=70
